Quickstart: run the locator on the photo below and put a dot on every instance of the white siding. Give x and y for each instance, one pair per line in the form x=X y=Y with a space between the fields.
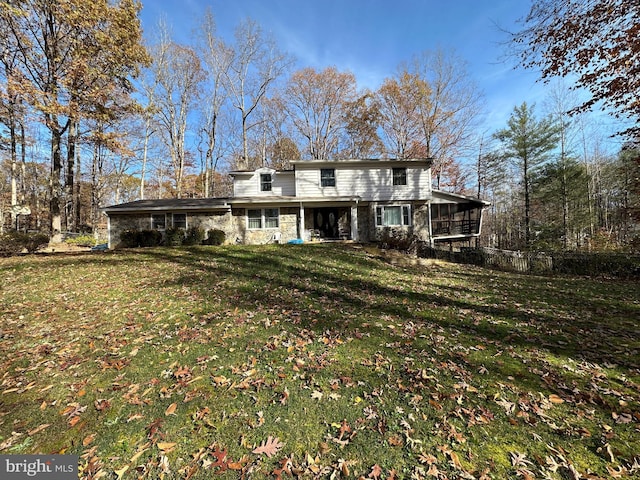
x=248 y=185
x=371 y=183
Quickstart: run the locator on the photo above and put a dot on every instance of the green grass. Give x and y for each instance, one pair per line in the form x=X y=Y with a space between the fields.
x=154 y=363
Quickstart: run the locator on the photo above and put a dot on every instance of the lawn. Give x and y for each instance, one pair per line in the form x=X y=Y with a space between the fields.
x=316 y=361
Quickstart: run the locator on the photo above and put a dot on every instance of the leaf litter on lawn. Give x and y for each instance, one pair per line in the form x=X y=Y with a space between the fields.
x=153 y=363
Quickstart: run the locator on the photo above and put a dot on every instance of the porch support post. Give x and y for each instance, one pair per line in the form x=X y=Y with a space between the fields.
x=301 y=223
x=431 y=243
x=355 y=236
x=108 y=232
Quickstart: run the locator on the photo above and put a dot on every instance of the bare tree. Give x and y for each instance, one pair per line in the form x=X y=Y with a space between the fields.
x=398 y=102
x=217 y=58
x=362 y=118
x=316 y=103
x=178 y=73
x=447 y=116
x=256 y=64
x=12 y=116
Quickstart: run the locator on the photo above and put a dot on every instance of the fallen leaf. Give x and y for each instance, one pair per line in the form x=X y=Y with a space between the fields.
x=166 y=446
x=120 y=473
x=376 y=471
x=171 y=409
x=137 y=455
x=269 y=447
x=38 y=429
x=553 y=398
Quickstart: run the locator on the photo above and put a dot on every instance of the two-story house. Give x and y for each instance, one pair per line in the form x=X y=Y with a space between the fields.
x=316 y=199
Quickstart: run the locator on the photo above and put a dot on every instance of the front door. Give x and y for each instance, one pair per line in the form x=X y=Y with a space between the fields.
x=325 y=220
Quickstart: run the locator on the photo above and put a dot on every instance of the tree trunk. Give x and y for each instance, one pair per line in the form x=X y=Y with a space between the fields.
x=145 y=151
x=94 y=184
x=565 y=206
x=55 y=186
x=527 y=206
x=77 y=198
x=69 y=179
x=14 y=169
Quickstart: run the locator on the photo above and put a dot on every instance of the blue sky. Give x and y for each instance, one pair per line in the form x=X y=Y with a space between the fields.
x=372 y=37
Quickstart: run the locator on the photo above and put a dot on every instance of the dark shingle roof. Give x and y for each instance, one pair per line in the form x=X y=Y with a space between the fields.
x=170 y=204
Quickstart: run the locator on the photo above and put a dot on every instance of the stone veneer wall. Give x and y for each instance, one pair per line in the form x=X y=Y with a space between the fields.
x=118 y=223
x=364 y=224
x=241 y=234
x=233 y=224
x=419 y=227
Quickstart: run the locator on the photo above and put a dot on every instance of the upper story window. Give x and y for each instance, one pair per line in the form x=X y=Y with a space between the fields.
x=158 y=221
x=265 y=182
x=328 y=177
x=400 y=176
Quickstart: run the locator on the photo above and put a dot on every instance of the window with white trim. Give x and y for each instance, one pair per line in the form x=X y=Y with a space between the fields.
x=265 y=182
x=263 y=218
x=254 y=218
x=393 y=216
x=400 y=176
x=327 y=177
x=271 y=218
x=179 y=220
x=158 y=221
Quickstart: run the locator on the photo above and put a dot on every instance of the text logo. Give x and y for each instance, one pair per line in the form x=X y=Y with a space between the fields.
x=40 y=467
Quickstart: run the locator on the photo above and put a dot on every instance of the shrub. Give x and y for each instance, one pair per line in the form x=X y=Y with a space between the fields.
x=398 y=240
x=13 y=243
x=174 y=236
x=194 y=236
x=215 y=237
x=149 y=238
x=82 y=241
x=36 y=241
x=601 y=263
x=140 y=238
x=130 y=238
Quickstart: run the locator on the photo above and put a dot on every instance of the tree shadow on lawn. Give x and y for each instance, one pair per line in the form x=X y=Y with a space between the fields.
x=337 y=288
